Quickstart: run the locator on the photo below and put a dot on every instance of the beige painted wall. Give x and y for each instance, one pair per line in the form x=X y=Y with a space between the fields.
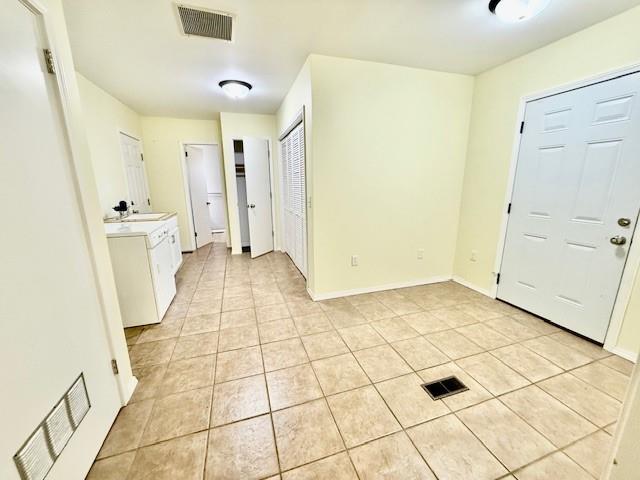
x=163 y=139
x=90 y=208
x=389 y=146
x=299 y=96
x=611 y=44
x=105 y=116
x=629 y=338
x=234 y=126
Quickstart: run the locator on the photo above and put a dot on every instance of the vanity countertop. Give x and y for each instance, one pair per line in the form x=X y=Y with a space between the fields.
x=142 y=217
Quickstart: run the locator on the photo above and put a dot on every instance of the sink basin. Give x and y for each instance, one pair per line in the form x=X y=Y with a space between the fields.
x=144 y=217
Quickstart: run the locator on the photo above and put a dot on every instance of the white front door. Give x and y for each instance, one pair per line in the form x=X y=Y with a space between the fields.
x=52 y=324
x=136 y=174
x=199 y=197
x=575 y=205
x=258 y=178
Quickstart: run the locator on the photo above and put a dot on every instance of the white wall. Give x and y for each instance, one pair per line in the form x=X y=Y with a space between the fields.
x=234 y=126
x=298 y=98
x=606 y=46
x=105 y=116
x=164 y=141
x=388 y=154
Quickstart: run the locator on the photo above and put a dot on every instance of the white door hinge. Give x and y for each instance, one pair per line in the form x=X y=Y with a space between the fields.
x=114 y=366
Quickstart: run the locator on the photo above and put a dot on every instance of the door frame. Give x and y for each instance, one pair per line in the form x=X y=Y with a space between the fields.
x=632 y=265
x=85 y=191
x=138 y=138
x=271 y=187
x=187 y=189
x=297 y=119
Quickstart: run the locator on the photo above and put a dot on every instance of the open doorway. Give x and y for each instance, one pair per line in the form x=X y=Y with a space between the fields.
x=241 y=186
x=206 y=200
x=254 y=198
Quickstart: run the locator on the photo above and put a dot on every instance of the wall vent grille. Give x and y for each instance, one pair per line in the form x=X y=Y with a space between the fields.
x=38 y=454
x=206 y=23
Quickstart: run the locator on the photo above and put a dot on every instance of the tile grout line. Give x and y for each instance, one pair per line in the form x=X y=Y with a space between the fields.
x=413 y=370
x=324 y=397
x=213 y=387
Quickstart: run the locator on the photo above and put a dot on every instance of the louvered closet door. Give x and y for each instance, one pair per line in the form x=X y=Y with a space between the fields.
x=294 y=198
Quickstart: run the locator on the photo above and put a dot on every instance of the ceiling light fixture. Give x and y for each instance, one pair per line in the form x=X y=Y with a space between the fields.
x=517 y=10
x=235 y=88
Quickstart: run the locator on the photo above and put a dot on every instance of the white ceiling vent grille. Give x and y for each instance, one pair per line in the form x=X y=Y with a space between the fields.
x=206 y=23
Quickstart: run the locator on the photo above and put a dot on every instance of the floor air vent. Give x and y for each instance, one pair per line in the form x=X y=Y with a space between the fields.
x=444 y=387
x=206 y=23
x=38 y=454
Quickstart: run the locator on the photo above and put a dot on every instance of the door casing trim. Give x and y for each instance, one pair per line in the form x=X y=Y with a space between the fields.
x=632 y=265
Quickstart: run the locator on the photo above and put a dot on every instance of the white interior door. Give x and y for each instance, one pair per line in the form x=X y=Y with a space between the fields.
x=213 y=170
x=258 y=181
x=199 y=197
x=575 y=201
x=136 y=174
x=52 y=326
x=294 y=198
x=216 y=212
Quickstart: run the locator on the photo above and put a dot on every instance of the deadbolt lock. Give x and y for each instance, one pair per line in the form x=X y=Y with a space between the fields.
x=618 y=240
x=624 y=222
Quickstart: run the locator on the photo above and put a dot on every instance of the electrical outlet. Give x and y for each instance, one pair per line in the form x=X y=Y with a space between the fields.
x=420 y=253
x=355 y=260
x=474 y=255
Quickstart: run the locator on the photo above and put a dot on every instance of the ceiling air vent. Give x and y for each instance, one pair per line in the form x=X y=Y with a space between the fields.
x=206 y=23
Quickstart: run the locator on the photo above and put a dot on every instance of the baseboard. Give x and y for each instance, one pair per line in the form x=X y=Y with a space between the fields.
x=470 y=285
x=378 y=288
x=623 y=352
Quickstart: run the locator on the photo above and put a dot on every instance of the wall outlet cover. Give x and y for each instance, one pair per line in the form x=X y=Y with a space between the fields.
x=354 y=260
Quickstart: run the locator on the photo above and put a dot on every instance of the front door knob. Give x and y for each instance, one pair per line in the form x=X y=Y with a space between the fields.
x=251 y=205
x=618 y=240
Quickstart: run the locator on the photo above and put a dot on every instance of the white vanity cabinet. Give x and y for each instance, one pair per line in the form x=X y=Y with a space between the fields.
x=174 y=243
x=144 y=260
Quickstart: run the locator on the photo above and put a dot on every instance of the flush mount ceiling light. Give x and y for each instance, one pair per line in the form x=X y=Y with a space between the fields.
x=235 y=88
x=517 y=10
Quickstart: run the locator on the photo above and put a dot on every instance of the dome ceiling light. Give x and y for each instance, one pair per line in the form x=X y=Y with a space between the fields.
x=235 y=89
x=513 y=11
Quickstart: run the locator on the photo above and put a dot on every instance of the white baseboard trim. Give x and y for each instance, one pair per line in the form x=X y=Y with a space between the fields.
x=470 y=285
x=378 y=288
x=623 y=352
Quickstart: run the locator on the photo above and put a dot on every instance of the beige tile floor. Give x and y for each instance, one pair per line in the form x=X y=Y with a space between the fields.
x=246 y=377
